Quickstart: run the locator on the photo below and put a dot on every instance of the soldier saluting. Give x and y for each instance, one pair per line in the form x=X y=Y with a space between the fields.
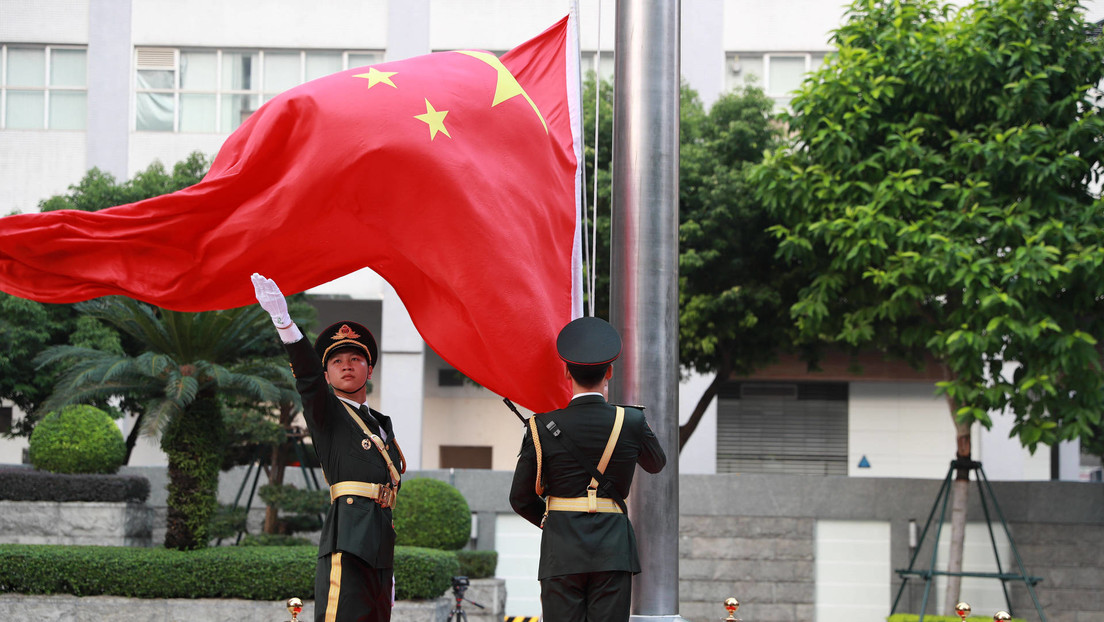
x=573 y=473
x=360 y=459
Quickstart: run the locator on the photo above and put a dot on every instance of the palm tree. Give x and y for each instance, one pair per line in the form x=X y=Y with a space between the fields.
x=188 y=363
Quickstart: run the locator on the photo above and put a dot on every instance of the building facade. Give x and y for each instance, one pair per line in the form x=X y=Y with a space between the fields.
x=119 y=84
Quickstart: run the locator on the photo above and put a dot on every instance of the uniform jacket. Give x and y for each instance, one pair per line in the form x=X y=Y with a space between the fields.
x=361 y=528
x=578 y=542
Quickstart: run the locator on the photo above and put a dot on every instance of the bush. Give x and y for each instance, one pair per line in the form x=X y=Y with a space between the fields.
x=432 y=514
x=422 y=573
x=77 y=439
x=477 y=564
x=250 y=573
x=22 y=484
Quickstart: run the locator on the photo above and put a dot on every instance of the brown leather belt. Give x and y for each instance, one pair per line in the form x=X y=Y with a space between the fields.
x=382 y=494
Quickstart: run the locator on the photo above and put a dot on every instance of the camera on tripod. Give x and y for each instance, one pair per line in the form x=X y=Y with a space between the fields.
x=459 y=586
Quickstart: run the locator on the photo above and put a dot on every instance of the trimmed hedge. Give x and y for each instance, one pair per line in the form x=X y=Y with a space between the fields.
x=22 y=484
x=250 y=573
x=477 y=564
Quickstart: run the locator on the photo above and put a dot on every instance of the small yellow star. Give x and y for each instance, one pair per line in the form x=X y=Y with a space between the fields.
x=434 y=119
x=375 y=76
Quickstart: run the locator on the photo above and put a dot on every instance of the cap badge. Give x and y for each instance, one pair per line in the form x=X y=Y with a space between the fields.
x=345 y=333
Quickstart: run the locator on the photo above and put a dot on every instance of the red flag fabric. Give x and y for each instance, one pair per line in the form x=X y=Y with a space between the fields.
x=455 y=176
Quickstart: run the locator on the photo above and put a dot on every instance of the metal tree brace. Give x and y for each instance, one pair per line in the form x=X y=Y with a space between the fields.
x=985 y=493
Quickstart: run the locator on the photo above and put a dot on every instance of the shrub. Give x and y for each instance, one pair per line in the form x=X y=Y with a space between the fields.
x=77 y=439
x=250 y=572
x=22 y=484
x=422 y=573
x=432 y=514
x=477 y=564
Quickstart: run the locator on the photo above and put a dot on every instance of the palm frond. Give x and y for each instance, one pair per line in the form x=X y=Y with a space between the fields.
x=155 y=364
x=158 y=415
x=181 y=389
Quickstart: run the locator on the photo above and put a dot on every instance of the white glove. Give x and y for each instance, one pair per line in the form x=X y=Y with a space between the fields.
x=271 y=300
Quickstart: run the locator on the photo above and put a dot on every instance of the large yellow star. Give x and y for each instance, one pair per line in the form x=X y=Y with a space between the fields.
x=434 y=119
x=375 y=76
x=507 y=85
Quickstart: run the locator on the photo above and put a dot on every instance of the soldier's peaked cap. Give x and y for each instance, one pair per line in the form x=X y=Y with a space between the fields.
x=346 y=335
x=589 y=341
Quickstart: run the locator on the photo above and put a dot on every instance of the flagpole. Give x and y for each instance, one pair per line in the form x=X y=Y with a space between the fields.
x=644 y=276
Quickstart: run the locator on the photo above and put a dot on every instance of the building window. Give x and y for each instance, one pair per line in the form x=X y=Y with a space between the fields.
x=465 y=457
x=449 y=377
x=43 y=87
x=5 y=419
x=215 y=91
x=795 y=428
x=778 y=74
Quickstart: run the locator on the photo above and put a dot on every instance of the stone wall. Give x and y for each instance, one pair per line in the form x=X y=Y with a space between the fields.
x=488 y=592
x=76 y=522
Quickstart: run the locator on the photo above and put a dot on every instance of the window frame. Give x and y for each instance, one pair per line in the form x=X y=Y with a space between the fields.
x=813 y=61
x=47 y=89
x=145 y=55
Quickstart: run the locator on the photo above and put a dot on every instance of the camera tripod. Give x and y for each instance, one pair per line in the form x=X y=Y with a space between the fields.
x=459 y=586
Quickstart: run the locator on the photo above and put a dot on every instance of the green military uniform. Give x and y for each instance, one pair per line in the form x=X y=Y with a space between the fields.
x=356 y=548
x=587 y=558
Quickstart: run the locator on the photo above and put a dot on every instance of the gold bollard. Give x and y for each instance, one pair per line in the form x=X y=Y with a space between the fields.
x=731 y=605
x=294 y=607
x=1001 y=616
x=963 y=610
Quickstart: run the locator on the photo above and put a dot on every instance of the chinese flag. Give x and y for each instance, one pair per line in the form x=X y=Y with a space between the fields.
x=455 y=176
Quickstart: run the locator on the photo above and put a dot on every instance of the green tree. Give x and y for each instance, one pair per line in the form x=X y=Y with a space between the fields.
x=732 y=296
x=99 y=190
x=188 y=361
x=28 y=327
x=938 y=182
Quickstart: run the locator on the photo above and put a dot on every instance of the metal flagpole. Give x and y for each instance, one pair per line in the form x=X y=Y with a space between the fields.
x=644 y=275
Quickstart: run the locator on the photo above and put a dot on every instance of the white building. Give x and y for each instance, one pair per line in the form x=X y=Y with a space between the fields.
x=117 y=84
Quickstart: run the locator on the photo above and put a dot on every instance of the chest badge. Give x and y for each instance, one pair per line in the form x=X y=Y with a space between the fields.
x=366 y=444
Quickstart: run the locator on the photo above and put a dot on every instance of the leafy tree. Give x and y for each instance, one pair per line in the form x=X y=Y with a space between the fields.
x=598 y=196
x=939 y=183
x=732 y=296
x=99 y=190
x=188 y=361
x=28 y=327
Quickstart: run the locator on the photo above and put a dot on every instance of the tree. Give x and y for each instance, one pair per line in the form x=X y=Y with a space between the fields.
x=732 y=298
x=28 y=327
x=189 y=361
x=938 y=183
x=732 y=295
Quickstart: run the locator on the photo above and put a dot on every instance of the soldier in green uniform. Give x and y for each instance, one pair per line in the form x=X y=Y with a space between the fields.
x=574 y=470
x=360 y=459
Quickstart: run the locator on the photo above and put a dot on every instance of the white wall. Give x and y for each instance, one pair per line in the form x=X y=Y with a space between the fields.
x=852 y=571
x=334 y=24
x=700 y=453
x=901 y=428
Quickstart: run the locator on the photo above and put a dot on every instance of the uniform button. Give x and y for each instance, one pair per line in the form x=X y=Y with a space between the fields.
x=349 y=500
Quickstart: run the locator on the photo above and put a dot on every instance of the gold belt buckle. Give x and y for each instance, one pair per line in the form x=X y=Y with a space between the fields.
x=592 y=500
x=386 y=496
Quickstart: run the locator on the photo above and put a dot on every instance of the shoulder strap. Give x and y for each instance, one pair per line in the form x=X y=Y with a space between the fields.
x=537 y=446
x=598 y=479
x=378 y=442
